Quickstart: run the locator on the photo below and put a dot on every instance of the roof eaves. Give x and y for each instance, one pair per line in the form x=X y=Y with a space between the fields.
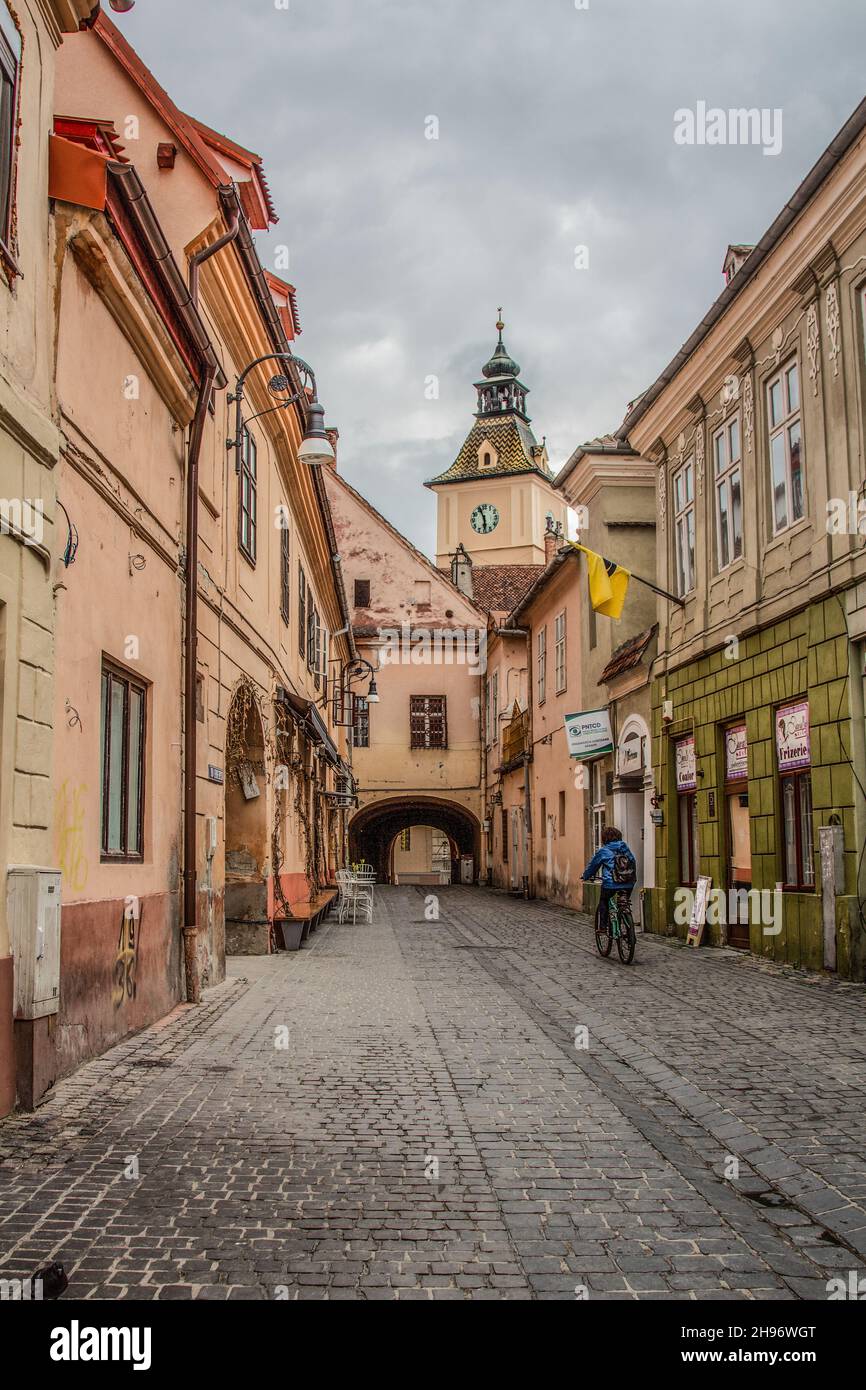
x=810 y=185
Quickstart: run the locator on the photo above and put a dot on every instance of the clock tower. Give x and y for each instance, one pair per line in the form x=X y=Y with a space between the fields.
x=496 y=497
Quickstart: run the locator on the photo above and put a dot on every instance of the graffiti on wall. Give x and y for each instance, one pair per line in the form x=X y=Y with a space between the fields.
x=69 y=833
x=126 y=959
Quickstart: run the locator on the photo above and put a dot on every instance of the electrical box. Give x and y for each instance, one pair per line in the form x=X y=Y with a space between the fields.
x=210 y=836
x=467 y=868
x=33 y=914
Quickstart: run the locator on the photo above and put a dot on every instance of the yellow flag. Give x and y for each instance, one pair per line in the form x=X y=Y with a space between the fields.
x=608 y=583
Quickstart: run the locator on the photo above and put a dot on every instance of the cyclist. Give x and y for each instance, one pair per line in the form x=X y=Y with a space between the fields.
x=618 y=871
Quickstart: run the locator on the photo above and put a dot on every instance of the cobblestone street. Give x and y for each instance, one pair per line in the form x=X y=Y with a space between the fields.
x=306 y=1171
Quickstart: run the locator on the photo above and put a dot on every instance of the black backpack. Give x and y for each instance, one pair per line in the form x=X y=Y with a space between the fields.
x=624 y=867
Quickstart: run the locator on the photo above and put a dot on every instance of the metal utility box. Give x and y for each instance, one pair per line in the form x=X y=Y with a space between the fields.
x=33 y=914
x=467 y=868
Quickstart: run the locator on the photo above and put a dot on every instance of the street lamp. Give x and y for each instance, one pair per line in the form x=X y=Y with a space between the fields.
x=316 y=447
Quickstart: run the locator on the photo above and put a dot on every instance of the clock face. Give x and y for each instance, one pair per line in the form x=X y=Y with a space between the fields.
x=485 y=518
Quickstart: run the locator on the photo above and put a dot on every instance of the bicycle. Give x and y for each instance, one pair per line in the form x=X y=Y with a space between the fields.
x=621 y=928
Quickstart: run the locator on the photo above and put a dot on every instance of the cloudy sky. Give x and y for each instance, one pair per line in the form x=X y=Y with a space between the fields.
x=555 y=130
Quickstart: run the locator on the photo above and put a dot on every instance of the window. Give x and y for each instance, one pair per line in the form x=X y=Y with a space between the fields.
x=561 y=822
x=314 y=639
x=559 y=652
x=427 y=723
x=689 y=855
x=361 y=722
x=362 y=593
x=495 y=728
x=596 y=784
x=729 y=503
x=10 y=57
x=285 y=576
x=504 y=822
x=541 y=664
x=302 y=611
x=684 y=527
x=799 y=864
x=405 y=840
x=247 y=509
x=124 y=702
x=786 y=448
x=542 y=819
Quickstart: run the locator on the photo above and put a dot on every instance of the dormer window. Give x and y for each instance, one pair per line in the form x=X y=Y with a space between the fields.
x=487 y=456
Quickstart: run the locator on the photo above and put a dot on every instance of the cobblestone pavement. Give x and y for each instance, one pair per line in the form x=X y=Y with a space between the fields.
x=306 y=1171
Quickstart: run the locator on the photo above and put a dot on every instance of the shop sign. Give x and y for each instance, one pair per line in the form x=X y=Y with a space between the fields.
x=684 y=762
x=736 y=753
x=588 y=734
x=793 y=742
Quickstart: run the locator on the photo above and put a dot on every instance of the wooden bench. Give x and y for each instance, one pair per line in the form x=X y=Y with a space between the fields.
x=306 y=916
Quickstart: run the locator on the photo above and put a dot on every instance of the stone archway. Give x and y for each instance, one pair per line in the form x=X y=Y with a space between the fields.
x=247 y=850
x=372 y=830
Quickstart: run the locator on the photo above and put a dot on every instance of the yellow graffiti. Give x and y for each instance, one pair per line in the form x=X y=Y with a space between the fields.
x=69 y=833
x=125 y=962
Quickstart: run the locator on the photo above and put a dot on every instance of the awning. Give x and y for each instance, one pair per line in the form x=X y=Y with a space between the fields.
x=313 y=722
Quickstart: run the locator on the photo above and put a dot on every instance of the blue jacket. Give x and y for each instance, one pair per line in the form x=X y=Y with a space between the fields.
x=603 y=859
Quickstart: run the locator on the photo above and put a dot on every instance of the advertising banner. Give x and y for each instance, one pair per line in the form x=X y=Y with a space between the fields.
x=588 y=734
x=793 y=743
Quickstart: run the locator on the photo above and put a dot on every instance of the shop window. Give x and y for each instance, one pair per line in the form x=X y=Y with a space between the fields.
x=729 y=501
x=793 y=759
x=799 y=866
x=786 y=447
x=124 y=704
x=689 y=854
x=685 y=770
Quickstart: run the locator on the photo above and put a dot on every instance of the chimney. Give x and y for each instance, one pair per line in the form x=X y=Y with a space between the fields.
x=552 y=537
x=461 y=570
x=333 y=436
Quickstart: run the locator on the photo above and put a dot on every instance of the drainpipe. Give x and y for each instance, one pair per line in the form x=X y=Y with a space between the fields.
x=527 y=826
x=190 y=808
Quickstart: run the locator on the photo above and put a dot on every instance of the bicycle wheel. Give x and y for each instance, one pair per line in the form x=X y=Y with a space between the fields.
x=625 y=941
x=603 y=939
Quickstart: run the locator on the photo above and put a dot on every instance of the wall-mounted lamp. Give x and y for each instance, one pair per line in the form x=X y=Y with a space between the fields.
x=316 y=448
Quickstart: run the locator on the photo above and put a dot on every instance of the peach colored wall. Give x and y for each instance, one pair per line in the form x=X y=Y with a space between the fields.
x=558 y=859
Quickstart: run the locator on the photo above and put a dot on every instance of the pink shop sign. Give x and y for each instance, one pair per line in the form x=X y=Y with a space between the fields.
x=793 y=743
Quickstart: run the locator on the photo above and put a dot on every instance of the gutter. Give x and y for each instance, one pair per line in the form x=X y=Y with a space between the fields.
x=851 y=130
x=141 y=214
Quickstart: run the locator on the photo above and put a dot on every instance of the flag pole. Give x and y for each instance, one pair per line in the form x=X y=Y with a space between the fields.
x=656 y=590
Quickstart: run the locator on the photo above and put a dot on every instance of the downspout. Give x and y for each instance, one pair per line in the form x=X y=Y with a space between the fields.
x=190 y=801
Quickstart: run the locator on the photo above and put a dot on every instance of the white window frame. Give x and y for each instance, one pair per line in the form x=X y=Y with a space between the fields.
x=724 y=469
x=559 y=652
x=685 y=575
x=541 y=663
x=791 y=418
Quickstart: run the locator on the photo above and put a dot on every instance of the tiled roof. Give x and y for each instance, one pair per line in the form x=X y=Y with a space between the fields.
x=628 y=655
x=501 y=587
x=513 y=441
